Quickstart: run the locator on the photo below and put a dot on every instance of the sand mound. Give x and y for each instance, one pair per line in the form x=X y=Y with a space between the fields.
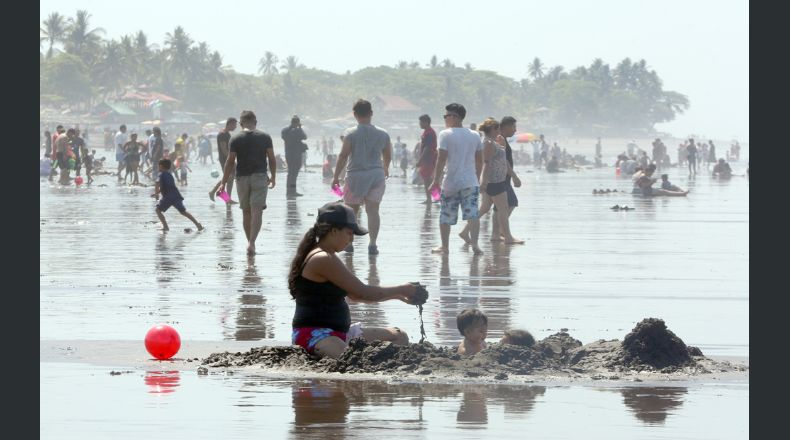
x=649 y=346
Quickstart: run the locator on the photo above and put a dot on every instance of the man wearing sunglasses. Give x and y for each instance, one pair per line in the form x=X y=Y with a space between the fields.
x=462 y=151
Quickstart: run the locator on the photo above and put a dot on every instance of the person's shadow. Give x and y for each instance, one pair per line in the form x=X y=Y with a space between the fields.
x=319 y=405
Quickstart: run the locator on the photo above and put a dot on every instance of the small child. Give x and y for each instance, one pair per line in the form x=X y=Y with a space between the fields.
x=473 y=325
x=166 y=185
x=183 y=170
x=87 y=160
x=666 y=184
x=518 y=337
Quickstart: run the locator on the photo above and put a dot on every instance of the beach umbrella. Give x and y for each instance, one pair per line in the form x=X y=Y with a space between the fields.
x=525 y=137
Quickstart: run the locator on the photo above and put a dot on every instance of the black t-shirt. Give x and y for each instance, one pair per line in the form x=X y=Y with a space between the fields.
x=293 y=137
x=157 y=149
x=222 y=137
x=250 y=148
x=509 y=157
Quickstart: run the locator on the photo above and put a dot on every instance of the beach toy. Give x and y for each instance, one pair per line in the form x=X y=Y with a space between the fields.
x=162 y=341
x=78 y=180
x=224 y=196
x=215 y=174
x=436 y=194
x=617 y=171
x=337 y=190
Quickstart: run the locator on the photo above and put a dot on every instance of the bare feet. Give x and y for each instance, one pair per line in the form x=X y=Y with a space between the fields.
x=200 y=227
x=211 y=195
x=477 y=250
x=465 y=237
x=514 y=241
x=233 y=202
x=496 y=239
x=251 y=249
x=440 y=250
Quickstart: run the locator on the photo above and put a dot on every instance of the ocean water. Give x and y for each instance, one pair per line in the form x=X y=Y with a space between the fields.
x=107 y=273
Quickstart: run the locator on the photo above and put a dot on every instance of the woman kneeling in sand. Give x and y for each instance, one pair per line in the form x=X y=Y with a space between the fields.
x=319 y=282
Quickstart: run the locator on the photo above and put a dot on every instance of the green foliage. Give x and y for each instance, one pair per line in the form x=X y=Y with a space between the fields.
x=625 y=98
x=65 y=75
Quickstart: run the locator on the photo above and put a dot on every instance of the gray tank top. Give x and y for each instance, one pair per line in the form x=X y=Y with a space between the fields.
x=367 y=142
x=497 y=165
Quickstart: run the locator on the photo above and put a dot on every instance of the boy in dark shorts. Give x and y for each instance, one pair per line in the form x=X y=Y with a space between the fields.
x=166 y=185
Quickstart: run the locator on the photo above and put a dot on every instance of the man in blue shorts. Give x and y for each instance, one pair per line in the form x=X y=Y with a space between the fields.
x=166 y=186
x=462 y=151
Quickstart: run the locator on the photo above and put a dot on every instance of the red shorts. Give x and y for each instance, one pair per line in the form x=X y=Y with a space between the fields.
x=307 y=337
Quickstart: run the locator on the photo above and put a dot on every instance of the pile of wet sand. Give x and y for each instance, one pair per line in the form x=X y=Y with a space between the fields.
x=650 y=346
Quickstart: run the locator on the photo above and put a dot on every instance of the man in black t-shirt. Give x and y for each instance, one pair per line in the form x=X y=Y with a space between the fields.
x=507 y=128
x=295 y=148
x=223 y=148
x=250 y=152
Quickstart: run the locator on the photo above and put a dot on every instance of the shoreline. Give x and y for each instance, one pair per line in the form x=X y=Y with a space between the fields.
x=130 y=357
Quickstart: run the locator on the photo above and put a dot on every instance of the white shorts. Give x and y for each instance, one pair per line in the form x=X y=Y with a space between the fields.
x=355 y=331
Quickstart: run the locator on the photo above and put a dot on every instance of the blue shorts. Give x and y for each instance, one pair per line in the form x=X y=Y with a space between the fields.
x=466 y=198
x=165 y=204
x=120 y=157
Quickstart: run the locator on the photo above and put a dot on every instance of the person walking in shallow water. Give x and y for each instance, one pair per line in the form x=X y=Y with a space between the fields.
x=368 y=151
x=223 y=148
x=427 y=162
x=461 y=150
x=494 y=183
x=319 y=283
x=250 y=152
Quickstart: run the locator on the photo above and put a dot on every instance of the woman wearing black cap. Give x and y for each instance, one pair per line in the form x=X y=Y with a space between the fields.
x=319 y=282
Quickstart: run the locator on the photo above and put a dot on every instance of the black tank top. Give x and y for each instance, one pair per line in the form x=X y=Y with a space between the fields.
x=320 y=304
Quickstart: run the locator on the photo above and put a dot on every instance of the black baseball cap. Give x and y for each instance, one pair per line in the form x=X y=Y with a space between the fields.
x=340 y=214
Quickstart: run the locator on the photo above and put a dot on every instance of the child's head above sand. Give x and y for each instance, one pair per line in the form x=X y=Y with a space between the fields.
x=518 y=337
x=473 y=324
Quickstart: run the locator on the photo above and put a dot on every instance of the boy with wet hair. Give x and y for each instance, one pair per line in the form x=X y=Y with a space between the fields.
x=518 y=337
x=473 y=325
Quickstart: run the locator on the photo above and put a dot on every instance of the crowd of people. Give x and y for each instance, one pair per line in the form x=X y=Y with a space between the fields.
x=470 y=170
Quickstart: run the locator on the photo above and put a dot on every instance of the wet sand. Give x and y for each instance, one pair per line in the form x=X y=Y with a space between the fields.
x=107 y=275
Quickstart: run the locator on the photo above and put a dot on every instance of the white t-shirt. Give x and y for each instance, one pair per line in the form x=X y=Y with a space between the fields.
x=461 y=145
x=122 y=139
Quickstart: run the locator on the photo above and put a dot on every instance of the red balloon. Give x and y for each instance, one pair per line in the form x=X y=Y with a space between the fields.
x=78 y=180
x=162 y=341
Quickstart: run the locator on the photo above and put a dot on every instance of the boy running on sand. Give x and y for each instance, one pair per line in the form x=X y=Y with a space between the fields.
x=166 y=185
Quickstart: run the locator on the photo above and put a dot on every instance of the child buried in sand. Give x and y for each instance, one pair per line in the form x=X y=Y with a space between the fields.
x=518 y=337
x=473 y=325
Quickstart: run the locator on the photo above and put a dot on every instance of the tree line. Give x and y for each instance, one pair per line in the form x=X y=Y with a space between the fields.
x=80 y=67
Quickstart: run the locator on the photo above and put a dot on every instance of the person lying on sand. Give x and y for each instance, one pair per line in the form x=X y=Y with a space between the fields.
x=319 y=283
x=473 y=325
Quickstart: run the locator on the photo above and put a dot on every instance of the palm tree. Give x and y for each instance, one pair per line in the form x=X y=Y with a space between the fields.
x=268 y=64
x=110 y=72
x=54 y=30
x=402 y=65
x=433 y=62
x=447 y=64
x=556 y=73
x=80 y=37
x=215 y=62
x=536 y=69
x=291 y=63
x=177 y=47
x=468 y=66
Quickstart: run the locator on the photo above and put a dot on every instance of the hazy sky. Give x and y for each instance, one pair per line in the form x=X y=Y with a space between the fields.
x=698 y=47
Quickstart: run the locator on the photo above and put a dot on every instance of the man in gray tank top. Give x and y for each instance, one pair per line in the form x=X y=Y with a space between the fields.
x=367 y=150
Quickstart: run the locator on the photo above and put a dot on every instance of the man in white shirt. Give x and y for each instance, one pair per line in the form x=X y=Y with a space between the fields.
x=121 y=138
x=462 y=151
